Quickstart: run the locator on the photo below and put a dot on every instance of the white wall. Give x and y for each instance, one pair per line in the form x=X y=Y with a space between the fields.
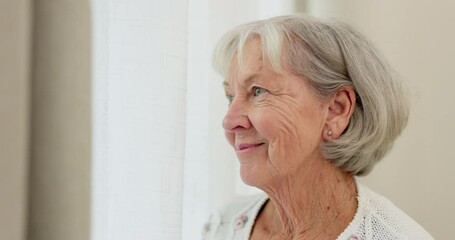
x=418 y=38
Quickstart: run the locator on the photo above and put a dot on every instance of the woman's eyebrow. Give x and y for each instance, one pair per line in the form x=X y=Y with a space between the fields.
x=245 y=82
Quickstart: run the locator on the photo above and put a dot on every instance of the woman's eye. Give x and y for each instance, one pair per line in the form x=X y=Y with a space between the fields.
x=230 y=98
x=258 y=91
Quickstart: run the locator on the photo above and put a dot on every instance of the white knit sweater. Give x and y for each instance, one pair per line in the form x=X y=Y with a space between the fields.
x=376 y=218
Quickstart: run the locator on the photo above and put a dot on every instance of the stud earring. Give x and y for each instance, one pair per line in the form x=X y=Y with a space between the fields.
x=329 y=133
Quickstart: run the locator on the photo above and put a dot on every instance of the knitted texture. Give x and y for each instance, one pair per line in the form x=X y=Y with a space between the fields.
x=376 y=218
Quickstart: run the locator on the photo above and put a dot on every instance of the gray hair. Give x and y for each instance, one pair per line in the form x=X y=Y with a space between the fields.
x=330 y=55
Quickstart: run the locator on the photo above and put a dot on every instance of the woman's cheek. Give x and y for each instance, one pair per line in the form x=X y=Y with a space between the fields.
x=279 y=124
x=263 y=124
x=266 y=127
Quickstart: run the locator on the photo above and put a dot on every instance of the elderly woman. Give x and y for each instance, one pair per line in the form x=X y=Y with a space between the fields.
x=311 y=105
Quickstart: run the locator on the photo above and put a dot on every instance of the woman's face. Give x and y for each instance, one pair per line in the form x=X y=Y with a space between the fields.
x=274 y=121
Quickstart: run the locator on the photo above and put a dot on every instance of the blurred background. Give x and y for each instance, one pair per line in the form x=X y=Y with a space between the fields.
x=110 y=113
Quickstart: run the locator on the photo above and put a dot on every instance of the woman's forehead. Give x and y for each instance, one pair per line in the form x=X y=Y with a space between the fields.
x=247 y=66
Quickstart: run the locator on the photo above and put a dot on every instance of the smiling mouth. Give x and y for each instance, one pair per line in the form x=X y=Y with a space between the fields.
x=245 y=146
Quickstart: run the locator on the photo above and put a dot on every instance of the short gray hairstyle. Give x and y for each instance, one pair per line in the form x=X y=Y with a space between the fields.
x=330 y=55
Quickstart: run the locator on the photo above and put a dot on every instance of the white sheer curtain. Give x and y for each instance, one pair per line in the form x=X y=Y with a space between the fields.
x=160 y=162
x=140 y=57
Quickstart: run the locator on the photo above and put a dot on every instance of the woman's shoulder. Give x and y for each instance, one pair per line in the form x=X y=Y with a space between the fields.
x=234 y=218
x=379 y=218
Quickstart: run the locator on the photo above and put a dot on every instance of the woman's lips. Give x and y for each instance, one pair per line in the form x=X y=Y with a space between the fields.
x=247 y=146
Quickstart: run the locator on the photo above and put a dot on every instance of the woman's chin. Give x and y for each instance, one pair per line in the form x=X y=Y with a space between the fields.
x=253 y=175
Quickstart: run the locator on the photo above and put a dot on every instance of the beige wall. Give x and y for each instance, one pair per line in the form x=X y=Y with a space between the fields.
x=61 y=118
x=14 y=83
x=418 y=38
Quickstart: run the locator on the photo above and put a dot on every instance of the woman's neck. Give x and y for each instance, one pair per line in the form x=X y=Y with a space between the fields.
x=315 y=203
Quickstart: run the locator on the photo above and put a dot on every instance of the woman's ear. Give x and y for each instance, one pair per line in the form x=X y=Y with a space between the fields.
x=340 y=109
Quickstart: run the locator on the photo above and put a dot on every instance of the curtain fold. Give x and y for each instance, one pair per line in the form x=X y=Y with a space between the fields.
x=60 y=136
x=15 y=21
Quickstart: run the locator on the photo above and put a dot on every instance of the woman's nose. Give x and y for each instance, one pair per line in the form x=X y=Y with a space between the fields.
x=236 y=117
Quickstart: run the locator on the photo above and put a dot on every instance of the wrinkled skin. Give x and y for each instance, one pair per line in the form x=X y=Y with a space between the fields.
x=287 y=117
x=276 y=123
